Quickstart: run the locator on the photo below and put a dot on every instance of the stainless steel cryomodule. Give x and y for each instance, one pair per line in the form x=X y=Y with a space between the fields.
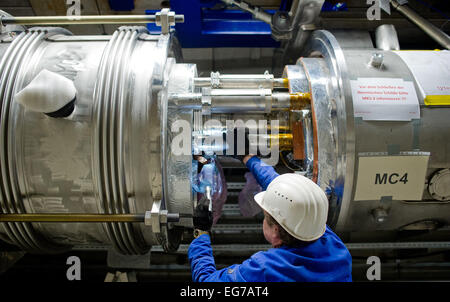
x=107 y=157
x=113 y=153
x=382 y=139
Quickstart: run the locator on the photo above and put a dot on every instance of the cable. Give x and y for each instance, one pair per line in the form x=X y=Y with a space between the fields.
x=285 y=163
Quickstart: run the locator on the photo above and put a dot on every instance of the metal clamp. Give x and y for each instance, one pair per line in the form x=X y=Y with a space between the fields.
x=153 y=218
x=165 y=18
x=376 y=60
x=206 y=101
x=215 y=79
x=266 y=94
x=269 y=79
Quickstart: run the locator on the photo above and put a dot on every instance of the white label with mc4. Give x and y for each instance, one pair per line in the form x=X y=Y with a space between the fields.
x=401 y=177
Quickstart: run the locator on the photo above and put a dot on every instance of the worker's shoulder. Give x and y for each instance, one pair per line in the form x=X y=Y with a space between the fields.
x=331 y=235
x=262 y=257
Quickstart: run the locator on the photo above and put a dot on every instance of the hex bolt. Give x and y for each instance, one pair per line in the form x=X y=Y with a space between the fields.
x=380 y=215
x=376 y=60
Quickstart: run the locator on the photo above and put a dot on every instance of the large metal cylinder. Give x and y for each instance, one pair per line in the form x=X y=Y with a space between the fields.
x=359 y=151
x=106 y=157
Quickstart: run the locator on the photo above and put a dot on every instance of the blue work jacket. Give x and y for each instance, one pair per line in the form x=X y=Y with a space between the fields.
x=325 y=259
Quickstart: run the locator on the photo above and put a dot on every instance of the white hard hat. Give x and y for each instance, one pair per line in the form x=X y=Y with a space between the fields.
x=298 y=204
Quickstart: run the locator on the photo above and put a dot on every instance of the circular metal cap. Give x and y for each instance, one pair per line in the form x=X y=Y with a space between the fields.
x=439 y=185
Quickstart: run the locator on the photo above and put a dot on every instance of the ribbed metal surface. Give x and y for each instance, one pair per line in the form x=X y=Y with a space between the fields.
x=110 y=103
x=11 y=200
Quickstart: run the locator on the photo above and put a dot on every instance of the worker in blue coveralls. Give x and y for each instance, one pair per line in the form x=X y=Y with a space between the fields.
x=304 y=247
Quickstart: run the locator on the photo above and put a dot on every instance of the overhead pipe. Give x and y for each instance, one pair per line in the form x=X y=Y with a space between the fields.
x=70 y=20
x=435 y=33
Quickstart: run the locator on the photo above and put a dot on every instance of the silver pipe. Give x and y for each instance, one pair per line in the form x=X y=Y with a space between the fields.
x=256 y=11
x=435 y=33
x=235 y=100
x=280 y=83
x=294 y=7
x=67 y=20
x=202 y=82
x=243 y=81
x=386 y=37
x=281 y=101
x=235 y=104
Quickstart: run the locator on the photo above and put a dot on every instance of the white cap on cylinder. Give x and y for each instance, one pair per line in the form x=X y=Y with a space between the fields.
x=47 y=92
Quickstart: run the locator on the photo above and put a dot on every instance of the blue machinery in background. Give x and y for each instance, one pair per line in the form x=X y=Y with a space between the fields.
x=205 y=26
x=207 y=23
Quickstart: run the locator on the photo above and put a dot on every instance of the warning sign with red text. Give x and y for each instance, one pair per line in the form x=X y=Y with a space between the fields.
x=385 y=99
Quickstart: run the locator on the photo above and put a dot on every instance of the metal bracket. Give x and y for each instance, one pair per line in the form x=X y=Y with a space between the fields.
x=165 y=18
x=269 y=79
x=376 y=60
x=266 y=94
x=215 y=79
x=153 y=218
x=206 y=100
x=308 y=27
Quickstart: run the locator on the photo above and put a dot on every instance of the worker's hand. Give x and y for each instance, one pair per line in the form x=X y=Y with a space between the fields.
x=247 y=157
x=203 y=217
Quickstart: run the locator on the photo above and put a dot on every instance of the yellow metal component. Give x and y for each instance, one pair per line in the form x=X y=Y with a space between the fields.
x=281 y=128
x=284 y=141
x=285 y=83
x=437 y=100
x=300 y=100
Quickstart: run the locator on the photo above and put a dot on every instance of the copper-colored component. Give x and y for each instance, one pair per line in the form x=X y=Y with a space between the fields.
x=298 y=141
x=316 y=151
x=300 y=100
x=285 y=83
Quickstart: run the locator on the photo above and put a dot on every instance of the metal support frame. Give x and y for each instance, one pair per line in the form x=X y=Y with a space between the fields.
x=251 y=248
x=209 y=24
x=164 y=18
x=208 y=27
x=152 y=218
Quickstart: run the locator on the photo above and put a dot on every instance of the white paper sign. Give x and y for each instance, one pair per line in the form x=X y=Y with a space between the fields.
x=402 y=177
x=433 y=81
x=385 y=99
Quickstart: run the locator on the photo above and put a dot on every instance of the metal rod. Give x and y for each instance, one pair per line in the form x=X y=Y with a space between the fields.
x=243 y=81
x=256 y=11
x=243 y=100
x=84 y=217
x=67 y=20
x=72 y=217
x=435 y=33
